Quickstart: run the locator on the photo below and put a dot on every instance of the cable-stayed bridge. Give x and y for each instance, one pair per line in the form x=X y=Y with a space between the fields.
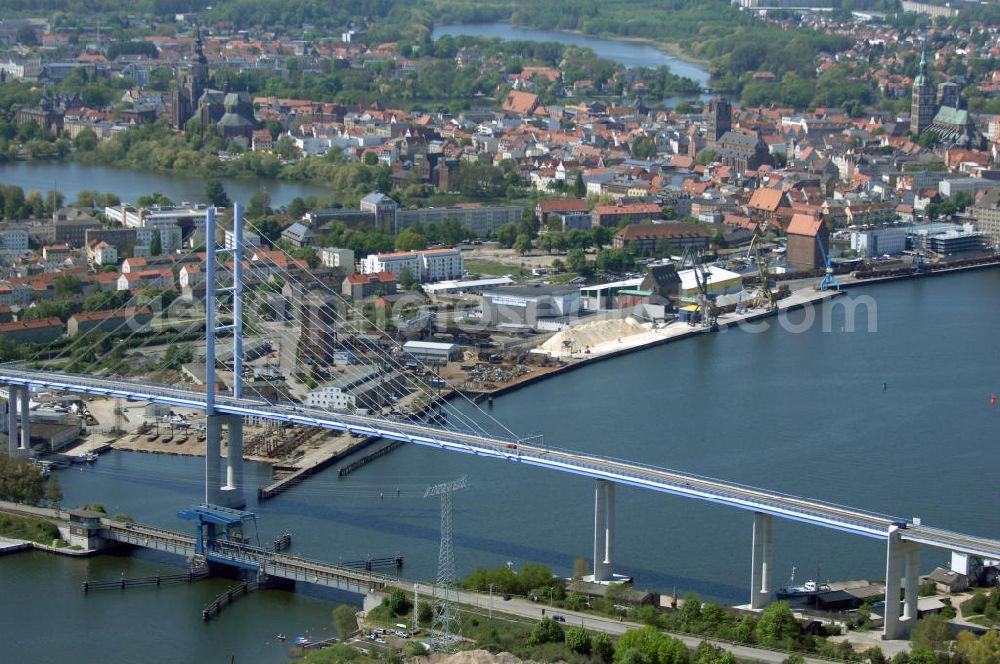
x=331 y=328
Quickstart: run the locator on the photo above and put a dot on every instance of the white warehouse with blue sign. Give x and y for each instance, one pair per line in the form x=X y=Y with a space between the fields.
x=524 y=305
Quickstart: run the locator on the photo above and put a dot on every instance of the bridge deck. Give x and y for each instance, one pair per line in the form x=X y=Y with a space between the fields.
x=250 y=557
x=825 y=514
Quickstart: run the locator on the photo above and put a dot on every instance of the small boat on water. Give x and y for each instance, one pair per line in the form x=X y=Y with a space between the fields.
x=281 y=637
x=808 y=588
x=302 y=641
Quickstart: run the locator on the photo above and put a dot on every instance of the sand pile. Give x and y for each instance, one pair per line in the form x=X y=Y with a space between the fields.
x=471 y=657
x=593 y=334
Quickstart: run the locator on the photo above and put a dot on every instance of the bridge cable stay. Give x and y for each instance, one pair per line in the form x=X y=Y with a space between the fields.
x=387 y=395
x=278 y=388
x=351 y=307
x=388 y=357
x=330 y=348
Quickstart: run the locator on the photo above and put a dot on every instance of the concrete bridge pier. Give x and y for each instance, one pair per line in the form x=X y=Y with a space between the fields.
x=18 y=422
x=232 y=492
x=760 y=574
x=604 y=531
x=213 y=452
x=902 y=564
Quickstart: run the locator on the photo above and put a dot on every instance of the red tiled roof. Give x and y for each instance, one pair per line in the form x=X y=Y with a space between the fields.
x=766 y=199
x=30 y=325
x=563 y=205
x=804 y=224
x=127 y=312
x=635 y=208
x=643 y=231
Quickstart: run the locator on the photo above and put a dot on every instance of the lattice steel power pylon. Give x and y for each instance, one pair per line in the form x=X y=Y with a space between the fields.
x=445 y=625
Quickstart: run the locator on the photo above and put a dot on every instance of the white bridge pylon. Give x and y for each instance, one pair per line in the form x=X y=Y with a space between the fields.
x=224 y=490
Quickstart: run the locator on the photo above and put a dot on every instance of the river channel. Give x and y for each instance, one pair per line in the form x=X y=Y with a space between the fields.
x=627 y=53
x=70 y=178
x=801 y=411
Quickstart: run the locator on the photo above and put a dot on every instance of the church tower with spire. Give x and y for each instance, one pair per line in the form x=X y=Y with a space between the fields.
x=192 y=85
x=922 y=106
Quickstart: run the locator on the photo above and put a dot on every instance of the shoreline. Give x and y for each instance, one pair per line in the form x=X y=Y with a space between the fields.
x=577 y=363
x=672 y=49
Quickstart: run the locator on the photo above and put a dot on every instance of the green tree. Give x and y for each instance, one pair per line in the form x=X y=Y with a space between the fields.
x=398 y=602
x=150 y=200
x=576 y=260
x=651 y=646
x=614 y=260
x=297 y=208
x=286 y=149
x=644 y=147
x=928 y=140
x=452 y=232
x=52 y=493
x=522 y=244
x=930 y=633
x=67 y=285
x=546 y=630
x=984 y=650
x=54 y=200
x=507 y=235
x=260 y=205
x=578 y=640
x=216 y=193
x=409 y=240
x=406 y=278
x=777 y=626
x=155 y=244
x=344 y=620
x=604 y=648
x=529 y=223
x=26 y=36
x=579 y=187
x=370 y=158
x=177 y=355
x=86 y=140
x=20 y=481
x=601 y=236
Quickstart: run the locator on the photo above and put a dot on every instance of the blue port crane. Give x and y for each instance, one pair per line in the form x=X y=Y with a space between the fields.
x=829 y=278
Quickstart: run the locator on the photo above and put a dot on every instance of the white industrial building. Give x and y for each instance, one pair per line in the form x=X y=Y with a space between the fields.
x=522 y=306
x=426 y=265
x=249 y=239
x=331 y=397
x=432 y=352
x=337 y=257
x=879 y=242
x=358 y=387
x=456 y=286
x=719 y=281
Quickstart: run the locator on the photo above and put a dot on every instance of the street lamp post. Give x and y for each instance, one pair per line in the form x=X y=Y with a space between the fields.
x=491 y=601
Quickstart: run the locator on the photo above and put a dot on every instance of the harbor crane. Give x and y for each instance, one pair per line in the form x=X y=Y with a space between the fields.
x=830 y=281
x=764 y=298
x=705 y=301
